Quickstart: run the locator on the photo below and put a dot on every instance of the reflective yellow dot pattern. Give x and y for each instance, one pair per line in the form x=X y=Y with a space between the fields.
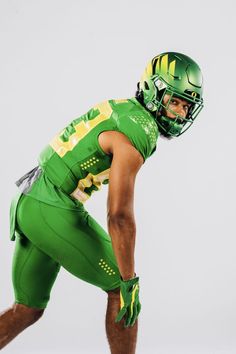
x=106 y=267
x=90 y=162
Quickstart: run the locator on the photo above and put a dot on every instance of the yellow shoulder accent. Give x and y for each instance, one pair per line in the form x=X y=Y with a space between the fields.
x=121 y=100
x=82 y=129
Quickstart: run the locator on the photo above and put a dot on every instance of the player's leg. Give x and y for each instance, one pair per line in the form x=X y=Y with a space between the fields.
x=72 y=239
x=33 y=275
x=14 y=320
x=76 y=241
x=121 y=340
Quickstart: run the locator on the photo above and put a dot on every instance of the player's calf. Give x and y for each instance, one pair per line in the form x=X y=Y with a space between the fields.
x=121 y=340
x=15 y=319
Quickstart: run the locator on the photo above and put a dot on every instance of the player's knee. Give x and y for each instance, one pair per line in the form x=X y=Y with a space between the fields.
x=33 y=314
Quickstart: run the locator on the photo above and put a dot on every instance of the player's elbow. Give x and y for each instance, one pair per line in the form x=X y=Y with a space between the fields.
x=121 y=218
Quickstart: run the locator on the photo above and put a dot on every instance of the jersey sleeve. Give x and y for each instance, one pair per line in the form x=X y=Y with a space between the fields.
x=143 y=137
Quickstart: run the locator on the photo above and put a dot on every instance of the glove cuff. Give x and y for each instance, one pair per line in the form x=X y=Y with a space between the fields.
x=134 y=278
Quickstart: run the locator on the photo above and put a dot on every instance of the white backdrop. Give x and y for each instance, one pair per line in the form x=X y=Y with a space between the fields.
x=59 y=58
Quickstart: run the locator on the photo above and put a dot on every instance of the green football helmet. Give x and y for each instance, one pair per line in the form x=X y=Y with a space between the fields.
x=176 y=75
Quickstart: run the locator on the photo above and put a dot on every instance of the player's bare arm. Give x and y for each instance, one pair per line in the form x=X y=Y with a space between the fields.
x=126 y=162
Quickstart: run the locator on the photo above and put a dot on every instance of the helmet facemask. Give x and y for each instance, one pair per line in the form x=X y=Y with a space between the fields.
x=171 y=127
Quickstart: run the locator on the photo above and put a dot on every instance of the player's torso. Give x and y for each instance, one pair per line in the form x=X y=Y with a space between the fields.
x=74 y=160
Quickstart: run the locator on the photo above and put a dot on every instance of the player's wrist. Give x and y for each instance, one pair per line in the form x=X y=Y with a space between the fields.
x=127 y=277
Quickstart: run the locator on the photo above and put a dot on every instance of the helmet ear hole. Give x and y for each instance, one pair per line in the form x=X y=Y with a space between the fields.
x=146 y=85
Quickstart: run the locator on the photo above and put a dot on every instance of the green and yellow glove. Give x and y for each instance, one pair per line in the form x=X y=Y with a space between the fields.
x=129 y=301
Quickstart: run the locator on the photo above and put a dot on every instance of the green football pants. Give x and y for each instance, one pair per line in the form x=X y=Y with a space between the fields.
x=51 y=237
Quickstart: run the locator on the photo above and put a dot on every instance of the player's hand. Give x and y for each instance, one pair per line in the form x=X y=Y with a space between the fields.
x=129 y=301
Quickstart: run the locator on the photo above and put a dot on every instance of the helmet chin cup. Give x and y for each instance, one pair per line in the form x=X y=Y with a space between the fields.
x=170 y=126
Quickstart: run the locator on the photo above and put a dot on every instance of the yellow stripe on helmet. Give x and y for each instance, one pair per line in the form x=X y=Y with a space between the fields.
x=172 y=67
x=164 y=63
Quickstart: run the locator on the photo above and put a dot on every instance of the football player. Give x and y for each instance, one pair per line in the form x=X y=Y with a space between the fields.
x=49 y=223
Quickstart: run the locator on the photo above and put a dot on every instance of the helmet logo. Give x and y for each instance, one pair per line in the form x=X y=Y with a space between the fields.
x=194 y=94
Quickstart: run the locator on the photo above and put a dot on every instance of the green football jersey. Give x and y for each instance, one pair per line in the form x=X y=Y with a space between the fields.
x=74 y=165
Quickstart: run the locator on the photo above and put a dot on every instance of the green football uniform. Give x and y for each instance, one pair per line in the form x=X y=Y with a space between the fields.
x=74 y=161
x=70 y=168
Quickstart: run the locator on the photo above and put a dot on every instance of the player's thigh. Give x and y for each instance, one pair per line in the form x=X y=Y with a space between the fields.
x=72 y=238
x=102 y=254
x=33 y=274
